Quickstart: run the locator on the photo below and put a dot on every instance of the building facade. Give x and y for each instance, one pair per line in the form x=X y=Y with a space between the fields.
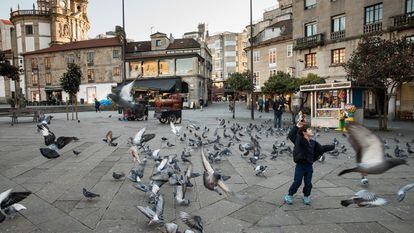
x=170 y=65
x=227 y=49
x=6 y=85
x=100 y=61
x=52 y=22
x=273 y=44
x=327 y=32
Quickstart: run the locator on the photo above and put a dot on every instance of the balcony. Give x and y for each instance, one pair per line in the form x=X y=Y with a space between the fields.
x=403 y=21
x=337 y=35
x=29 y=13
x=372 y=27
x=309 y=42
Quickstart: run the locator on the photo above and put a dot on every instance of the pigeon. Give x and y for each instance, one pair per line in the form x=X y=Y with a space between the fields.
x=211 y=178
x=403 y=190
x=109 y=138
x=171 y=228
x=137 y=173
x=396 y=140
x=89 y=195
x=179 y=195
x=369 y=148
x=175 y=129
x=44 y=120
x=118 y=176
x=260 y=170
x=364 y=198
x=76 y=152
x=52 y=144
x=170 y=144
x=124 y=97
x=154 y=213
x=193 y=221
x=9 y=203
x=134 y=153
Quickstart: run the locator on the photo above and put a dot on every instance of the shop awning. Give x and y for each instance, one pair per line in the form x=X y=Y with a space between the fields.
x=160 y=84
x=53 y=88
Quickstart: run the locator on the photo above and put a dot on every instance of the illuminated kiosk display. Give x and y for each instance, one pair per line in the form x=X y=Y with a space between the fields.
x=328 y=99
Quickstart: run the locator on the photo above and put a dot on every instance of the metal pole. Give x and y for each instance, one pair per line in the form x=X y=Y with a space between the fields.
x=123 y=43
x=251 y=59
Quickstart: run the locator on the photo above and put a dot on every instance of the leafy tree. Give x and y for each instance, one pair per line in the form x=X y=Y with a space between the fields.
x=70 y=82
x=382 y=66
x=12 y=72
x=283 y=84
x=239 y=82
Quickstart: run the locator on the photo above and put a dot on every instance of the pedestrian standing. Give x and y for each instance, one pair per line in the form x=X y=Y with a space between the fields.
x=97 y=105
x=305 y=153
x=260 y=103
x=278 y=108
x=267 y=105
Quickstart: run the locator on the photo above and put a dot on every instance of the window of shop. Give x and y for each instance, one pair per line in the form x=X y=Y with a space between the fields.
x=185 y=66
x=329 y=102
x=150 y=68
x=338 y=56
x=166 y=67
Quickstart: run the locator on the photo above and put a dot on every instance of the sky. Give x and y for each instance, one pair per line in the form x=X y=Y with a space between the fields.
x=169 y=16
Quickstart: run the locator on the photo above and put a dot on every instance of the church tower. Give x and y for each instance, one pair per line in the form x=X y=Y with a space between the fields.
x=69 y=20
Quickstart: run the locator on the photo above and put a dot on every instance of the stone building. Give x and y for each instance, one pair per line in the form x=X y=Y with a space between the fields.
x=327 y=32
x=52 y=22
x=6 y=85
x=100 y=61
x=169 y=65
x=273 y=44
x=227 y=49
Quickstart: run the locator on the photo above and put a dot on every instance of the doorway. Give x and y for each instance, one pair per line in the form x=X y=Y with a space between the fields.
x=91 y=93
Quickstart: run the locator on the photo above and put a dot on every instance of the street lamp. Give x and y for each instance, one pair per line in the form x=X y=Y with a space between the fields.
x=251 y=59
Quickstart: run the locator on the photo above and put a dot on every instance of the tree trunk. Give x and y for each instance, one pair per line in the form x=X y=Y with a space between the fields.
x=73 y=117
x=67 y=108
x=17 y=94
x=385 y=119
x=234 y=105
x=76 y=107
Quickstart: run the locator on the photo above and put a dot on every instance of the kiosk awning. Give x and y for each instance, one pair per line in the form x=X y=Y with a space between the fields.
x=161 y=84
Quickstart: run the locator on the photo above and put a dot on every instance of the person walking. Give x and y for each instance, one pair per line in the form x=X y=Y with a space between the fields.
x=97 y=105
x=267 y=105
x=260 y=103
x=305 y=152
x=278 y=108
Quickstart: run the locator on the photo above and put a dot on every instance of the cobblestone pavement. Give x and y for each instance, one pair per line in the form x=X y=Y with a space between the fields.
x=57 y=204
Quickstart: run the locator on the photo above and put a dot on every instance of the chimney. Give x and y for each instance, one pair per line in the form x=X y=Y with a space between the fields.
x=171 y=38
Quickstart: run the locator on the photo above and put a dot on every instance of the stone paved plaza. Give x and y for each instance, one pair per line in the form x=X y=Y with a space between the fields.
x=57 y=203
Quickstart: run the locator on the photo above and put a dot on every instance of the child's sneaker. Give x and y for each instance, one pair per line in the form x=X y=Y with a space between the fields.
x=289 y=199
x=306 y=200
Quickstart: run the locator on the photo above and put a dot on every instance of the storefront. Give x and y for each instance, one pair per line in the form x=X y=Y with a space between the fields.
x=327 y=101
x=53 y=94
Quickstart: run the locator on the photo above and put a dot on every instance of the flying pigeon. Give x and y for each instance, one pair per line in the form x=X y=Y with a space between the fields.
x=211 y=178
x=134 y=153
x=193 y=221
x=9 y=203
x=109 y=138
x=364 y=198
x=402 y=192
x=124 y=98
x=137 y=173
x=154 y=213
x=179 y=195
x=89 y=195
x=175 y=129
x=52 y=144
x=369 y=148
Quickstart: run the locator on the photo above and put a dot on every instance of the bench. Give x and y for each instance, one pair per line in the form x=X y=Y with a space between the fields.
x=23 y=113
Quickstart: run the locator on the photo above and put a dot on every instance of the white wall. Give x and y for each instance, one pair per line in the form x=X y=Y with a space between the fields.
x=2 y=87
x=102 y=90
x=18 y=30
x=19 y=46
x=44 y=29
x=44 y=42
x=30 y=45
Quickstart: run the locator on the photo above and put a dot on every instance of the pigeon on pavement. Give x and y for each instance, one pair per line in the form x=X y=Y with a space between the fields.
x=118 y=176
x=364 y=198
x=175 y=129
x=109 y=138
x=89 y=195
x=193 y=221
x=369 y=148
x=402 y=192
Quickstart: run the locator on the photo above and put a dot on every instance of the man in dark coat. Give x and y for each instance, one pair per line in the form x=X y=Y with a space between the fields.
x=278 y=108
x=305 y=153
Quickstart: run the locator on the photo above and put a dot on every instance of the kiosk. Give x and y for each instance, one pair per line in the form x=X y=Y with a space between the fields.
x=328 y=99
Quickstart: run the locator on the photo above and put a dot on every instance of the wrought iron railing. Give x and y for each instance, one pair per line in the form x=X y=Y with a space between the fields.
x=309 y=41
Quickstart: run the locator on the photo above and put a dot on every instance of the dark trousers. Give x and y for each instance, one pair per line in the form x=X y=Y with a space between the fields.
x=278 y=120
x=302 y=171
x=260 y=108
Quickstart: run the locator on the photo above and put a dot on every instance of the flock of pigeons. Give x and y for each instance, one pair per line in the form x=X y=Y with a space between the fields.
x=214 y=145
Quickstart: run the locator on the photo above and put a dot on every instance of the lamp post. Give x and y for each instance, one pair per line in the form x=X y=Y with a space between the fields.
x=251 y=59
x=123 y=43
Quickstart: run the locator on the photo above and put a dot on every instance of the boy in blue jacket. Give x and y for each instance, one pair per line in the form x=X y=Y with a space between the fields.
x=305 y=153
